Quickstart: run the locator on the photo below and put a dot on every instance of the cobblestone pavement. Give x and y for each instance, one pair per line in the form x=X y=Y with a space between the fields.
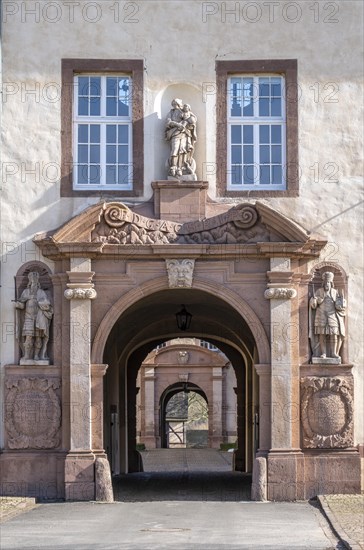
x=346 y=515
x=12 y=506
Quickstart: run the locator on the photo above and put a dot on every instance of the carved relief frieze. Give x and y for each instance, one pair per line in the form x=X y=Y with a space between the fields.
x=33 y=413
x=327 y=412
x=119 y=225
x=180 y=273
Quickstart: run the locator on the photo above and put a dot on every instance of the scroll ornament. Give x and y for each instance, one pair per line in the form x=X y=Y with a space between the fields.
x=280 y=293
x=80 y=293
x=119 y=225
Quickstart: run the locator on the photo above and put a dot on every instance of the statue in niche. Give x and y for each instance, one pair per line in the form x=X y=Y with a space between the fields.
x=328 y=308
x=35 y=317
x=180 y=131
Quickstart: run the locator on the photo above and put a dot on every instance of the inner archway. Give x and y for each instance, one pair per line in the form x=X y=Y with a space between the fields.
x=184 y=413
x=150 y=321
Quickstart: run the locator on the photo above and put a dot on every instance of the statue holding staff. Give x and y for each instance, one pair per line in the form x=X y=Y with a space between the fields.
x=328 y=308
x=35 y=320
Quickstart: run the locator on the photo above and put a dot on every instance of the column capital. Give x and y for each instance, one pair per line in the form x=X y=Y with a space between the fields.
x=78 y=293
x=80 y=285
x=99 y=370
x=263 y=369
x=279 y=278
x=81 y=279
x=280 y=293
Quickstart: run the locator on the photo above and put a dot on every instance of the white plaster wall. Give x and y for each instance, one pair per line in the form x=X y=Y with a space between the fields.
x=180 y=42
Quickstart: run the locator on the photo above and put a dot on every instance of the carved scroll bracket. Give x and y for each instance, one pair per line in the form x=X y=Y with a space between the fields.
x=280 y=293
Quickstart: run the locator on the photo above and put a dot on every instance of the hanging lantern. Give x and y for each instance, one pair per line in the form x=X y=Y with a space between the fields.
x=183 y=319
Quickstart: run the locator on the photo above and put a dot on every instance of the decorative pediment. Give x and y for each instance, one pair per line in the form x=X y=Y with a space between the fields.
x=115 y=224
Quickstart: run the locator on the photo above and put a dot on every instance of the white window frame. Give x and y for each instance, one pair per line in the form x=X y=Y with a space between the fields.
x=256 y=121
x=103 y=121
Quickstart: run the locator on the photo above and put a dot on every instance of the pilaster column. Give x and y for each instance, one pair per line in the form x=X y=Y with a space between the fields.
x=217 y=406
x=97 y=417
x=264 y=373
x=79 y=467
x=280 y=292
x=149 y=411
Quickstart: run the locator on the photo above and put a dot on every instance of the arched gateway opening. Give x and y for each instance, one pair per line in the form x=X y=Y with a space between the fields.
x=181 y=405
x=150 y=321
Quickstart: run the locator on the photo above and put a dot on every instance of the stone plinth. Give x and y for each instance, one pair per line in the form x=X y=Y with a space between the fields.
x=259 y=485
x=180 y=201
x=31 y=362
x=326 y=360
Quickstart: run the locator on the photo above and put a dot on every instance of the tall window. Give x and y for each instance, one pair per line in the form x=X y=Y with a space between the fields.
x=256 y=132
x=102 y=127
x=102 y=132
x=257 y=128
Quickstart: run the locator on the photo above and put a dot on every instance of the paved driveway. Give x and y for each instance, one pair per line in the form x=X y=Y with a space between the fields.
x=202 y=505
x=183 y=525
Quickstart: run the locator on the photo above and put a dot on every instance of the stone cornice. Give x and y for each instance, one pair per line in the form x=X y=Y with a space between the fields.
x=279 y=278
x=57 y=251
x=82 y=279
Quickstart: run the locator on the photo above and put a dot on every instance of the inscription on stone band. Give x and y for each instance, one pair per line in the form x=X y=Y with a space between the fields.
x=119 y=225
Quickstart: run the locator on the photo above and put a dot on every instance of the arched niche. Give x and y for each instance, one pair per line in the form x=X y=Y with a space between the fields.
x=21 y=283
x=162 y=105
x=340 y=283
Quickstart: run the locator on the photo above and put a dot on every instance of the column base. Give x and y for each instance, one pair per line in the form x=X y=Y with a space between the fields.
x=80 y=476
x=285 y=475
x=332 y=471
x=296 y=475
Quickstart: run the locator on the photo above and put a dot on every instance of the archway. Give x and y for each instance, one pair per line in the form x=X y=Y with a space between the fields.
x=184 y=416
x=245 y=291
x=139 y=329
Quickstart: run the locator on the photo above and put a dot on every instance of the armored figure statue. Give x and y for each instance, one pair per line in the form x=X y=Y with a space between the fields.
x=327 y=325
x=180 y=131
x=35 y=317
